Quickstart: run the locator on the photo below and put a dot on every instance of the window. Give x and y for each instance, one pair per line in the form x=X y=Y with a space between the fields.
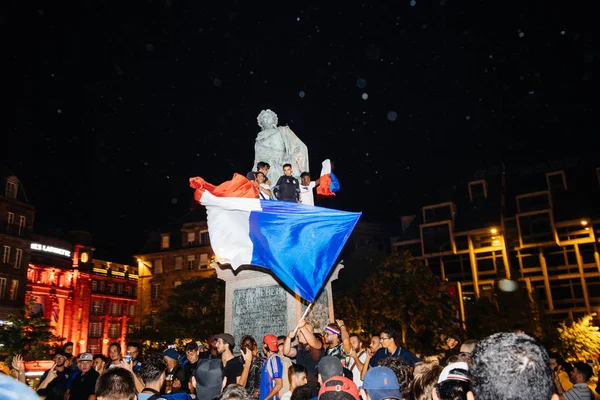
x=111 y=288
x=158 y=266
x=127 y=290
x=102 y=286
x=11 y=218
x=115 y=309
x=204 y=238
x=191 y=261
x=11 y=188
x=14 y=289
x=22 y=223
x=556 y=181
x=176 y=283
x=114 y=330
x=191 y=236
x=155 y=291
x=178 y=263
x=133 y=291
x=477 y=190
x=131 y=310
x=94 y=285
x=97 y=307
x=2 y=287
x=164 y=243
x=95 y=329
x=120 y=288
x=18 y=257
x=203 y=261
x=6 y=255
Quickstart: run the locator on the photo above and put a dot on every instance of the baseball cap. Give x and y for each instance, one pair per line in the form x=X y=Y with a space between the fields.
x=86 y=357
x=457 y=370
x=382 y=383
x=271 y=341
x=171 y=353
x=227 y=338
x=330 y=390
x=330 y=366
x=209 y=378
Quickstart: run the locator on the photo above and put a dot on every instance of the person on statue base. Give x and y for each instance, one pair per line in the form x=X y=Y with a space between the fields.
x=264 y=189
x=287 y=187
x=306 y=189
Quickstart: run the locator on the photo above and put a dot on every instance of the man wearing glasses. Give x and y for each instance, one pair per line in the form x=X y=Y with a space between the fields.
x=389 y=348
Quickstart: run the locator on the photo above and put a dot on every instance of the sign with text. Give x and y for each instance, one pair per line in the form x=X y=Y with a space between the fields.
x=50 y=249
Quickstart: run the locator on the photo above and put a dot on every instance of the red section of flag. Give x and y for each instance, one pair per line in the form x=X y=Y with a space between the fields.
x=324 y=188
x=238 y=186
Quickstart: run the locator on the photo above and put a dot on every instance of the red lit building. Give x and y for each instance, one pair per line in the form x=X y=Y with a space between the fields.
x=90 y=302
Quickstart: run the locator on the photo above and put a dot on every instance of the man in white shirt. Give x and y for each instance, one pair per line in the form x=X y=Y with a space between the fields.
x=306 y=189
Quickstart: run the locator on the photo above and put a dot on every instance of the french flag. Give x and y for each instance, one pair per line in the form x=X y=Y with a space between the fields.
x=298 y=243
x=328 y=183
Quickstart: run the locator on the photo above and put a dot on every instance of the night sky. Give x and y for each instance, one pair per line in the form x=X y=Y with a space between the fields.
x=110 y=106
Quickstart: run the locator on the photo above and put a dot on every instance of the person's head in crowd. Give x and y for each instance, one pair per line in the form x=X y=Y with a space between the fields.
x=192 y=352
x=68 y=360
x=423 y=367
x=225 y=342
x=333 y=334
x=68 y=348
x=356 y=343
x=114 y=352
x=453 y=383
x=209 y=378
x=402 y=370
x=234 y=392
x=387 y=337
x=581 y=372
x=297 y=376
x=375 y=343
x=380 y=383
x=212 y=344
x=270 y=344
x=305 y=178
x=12 y=389
x=303 y=392
x=452 y=340
x=280 y=343
x=510 y=366
x=460 y=357
x=287 y=169
x=85 y=362
x=468 y=345
x=263 y=167
x=422 y=385
x=249 y=343
x=260 y=177
x=329 y=367
x=171 y=358
x=136 y=351
x=518 y=328
x=339 y=388
x=152 y=371
x=100 y=362
x=116 y=384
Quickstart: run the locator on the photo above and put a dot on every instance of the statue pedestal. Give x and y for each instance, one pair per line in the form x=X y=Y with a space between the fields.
x=256 y=304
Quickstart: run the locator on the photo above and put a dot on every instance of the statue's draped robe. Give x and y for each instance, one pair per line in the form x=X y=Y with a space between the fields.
x=278 y=146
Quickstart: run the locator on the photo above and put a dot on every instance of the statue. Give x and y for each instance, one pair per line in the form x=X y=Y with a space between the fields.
x=278 y=145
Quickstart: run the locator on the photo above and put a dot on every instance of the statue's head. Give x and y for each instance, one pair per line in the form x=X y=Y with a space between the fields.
x=267 y=119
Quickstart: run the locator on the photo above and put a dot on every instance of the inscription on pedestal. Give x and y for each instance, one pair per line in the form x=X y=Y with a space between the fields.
x=257 y=311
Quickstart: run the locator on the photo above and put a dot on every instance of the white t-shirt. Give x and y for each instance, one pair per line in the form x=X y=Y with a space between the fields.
x=354 y=368
x=306 y=194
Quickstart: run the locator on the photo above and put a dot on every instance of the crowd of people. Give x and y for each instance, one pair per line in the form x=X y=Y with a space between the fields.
x=308 y=365
x=287 y=188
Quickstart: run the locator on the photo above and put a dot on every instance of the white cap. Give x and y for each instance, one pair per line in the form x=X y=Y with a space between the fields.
x=447 y=375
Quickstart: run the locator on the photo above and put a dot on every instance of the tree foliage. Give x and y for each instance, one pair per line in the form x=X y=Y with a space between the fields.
x=579 y=340
x=28 y=334
x=402 y=293
x=194 y=312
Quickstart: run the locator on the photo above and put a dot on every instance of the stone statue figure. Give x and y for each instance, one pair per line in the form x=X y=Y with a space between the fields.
x=278 y=145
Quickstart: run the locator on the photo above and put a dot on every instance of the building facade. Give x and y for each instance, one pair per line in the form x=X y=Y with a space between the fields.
x=16 y=222
x=176 y=254
x=90 y=302
x=537 y=225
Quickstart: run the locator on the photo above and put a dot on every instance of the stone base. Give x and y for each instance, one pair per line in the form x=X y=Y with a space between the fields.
x=256 y=304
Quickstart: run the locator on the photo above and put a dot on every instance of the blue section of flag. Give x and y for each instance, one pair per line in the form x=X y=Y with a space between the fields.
x=299 y=243
x=335 y=184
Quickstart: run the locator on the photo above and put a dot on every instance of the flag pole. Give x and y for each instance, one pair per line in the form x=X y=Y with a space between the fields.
x=303 y=316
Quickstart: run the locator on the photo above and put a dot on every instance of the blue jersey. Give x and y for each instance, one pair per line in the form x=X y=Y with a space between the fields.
x=272 y=369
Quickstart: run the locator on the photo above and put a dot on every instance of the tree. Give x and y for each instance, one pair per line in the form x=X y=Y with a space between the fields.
x=29 y=334
x=194 y=312
x=580 y=340
x=403 y=293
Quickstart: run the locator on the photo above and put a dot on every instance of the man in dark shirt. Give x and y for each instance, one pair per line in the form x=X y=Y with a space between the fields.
x=84 y=384
x=192 y=355
x=390 y=349
x=287 y=187
x=232 y=365
x=57 y=388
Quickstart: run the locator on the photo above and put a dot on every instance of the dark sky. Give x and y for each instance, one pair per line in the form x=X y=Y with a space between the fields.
x=110 y=106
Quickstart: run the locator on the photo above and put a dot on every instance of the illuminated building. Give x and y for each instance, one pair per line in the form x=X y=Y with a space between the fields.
x=177 y=253
x=90 y=302
x=534 y=225
x=16 y=222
